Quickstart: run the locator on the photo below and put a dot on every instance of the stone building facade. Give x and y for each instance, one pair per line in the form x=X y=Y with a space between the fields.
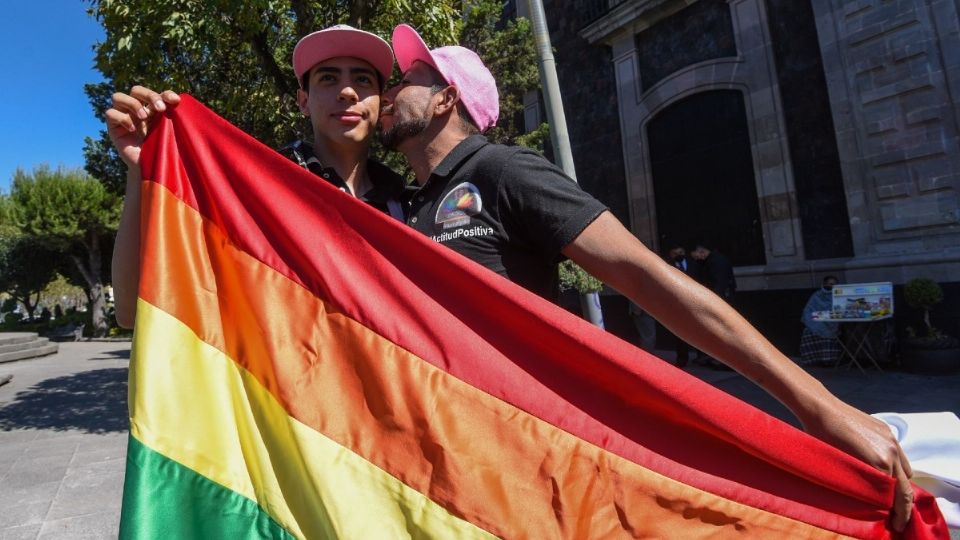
x=800 y=137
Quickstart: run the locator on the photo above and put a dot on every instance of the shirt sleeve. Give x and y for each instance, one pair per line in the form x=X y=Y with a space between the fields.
x=542 y=207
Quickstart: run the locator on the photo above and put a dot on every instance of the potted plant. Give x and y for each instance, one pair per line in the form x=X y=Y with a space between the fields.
x=589 y=287
x=929 y=351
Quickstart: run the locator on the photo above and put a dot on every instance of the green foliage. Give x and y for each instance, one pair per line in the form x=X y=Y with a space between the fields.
x=235 y=57
x=536 y=139
x=7 y=223
x=922 y=293
x=508 y=50
x=26 y=266
x=62 y=207
x=72 y=216
x=100 y=157
x=576 y=278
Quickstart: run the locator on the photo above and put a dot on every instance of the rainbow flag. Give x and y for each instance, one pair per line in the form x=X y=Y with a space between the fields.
x=305 y=367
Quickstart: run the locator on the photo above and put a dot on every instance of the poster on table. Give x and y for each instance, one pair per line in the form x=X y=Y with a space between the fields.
x=862 y=300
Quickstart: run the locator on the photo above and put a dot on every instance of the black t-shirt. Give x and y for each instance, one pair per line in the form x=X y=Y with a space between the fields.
x=505 y=207
x=388 y=186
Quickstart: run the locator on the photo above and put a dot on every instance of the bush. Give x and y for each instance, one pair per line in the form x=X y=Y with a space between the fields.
x=922 y=293
x=9 y=304
x=574 y=277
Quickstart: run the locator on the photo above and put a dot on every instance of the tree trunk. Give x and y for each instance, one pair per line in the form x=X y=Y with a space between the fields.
x=98 y=309
x=31 y=307
x=305 y=18
x=90 y=271
x=361 y=12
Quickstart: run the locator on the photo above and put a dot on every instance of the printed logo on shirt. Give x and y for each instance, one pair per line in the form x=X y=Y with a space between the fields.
x=463 y=233
x=456 y=208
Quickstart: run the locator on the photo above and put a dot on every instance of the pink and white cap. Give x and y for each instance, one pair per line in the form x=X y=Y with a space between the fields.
x=459 y=66
x=342 y=40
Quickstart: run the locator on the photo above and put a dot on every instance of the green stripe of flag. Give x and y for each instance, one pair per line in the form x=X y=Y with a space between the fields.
x=164 y=499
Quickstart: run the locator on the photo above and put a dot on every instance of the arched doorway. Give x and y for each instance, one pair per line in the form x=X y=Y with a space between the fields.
x=703 y=176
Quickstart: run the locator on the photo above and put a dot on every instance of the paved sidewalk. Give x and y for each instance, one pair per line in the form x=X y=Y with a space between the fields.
x=63 y=431
x=873 y=391
x=63 y=440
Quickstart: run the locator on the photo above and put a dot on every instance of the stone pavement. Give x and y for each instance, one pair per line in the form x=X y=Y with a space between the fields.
x=63 y=440
x=873 y=392
x=63 y=430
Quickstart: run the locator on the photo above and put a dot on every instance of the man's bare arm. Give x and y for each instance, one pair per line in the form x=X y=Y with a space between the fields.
x=125 y=266
x=698 y=316
x=127 y=122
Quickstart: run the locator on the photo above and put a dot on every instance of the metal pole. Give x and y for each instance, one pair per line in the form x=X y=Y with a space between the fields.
x=551 y=89
x=589 y=302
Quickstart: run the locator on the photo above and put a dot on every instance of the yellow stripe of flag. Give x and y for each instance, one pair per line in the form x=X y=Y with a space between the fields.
x=196 y=406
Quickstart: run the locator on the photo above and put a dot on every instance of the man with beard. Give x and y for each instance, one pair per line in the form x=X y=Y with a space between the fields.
x=512 y=211
x=341 y=72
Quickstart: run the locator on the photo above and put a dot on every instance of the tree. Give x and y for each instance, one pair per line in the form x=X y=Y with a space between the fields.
x=72 y=215
x=101 y=159
x=26 y=266
x=507 y=48
x=235 y=57
x=924 y=294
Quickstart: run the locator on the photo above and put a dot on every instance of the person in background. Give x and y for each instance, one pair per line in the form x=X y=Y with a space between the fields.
x=717 y=272
x=818 y=342
x=677 y=256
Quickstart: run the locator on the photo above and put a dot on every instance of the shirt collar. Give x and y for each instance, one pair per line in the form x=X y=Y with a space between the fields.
x=387 y=184
x=460 y=152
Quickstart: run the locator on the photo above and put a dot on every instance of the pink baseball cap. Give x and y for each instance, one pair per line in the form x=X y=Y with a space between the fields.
x=459 y=66
x=342 y=40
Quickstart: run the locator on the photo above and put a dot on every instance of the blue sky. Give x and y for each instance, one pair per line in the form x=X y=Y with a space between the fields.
x=46 y=57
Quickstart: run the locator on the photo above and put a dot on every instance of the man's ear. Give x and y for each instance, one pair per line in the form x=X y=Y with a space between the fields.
x=302 y=101
x=450 y=96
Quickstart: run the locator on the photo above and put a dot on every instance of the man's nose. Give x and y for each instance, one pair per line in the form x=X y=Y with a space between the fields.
x=348 y=93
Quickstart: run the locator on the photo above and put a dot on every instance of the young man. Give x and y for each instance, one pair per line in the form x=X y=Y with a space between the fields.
x=517 y=214
x=341 y=71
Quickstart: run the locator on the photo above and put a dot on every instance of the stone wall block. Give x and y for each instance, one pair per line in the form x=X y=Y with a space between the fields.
x=913 y=84
x=781 y=238
x=778 y=207
x=769 y=154
x=936 y=183
x=887 y=15
x=880 y=116
x=892 y=183
x=922 y=111
x=852 y=7
x=766 y=128
x=934 y=174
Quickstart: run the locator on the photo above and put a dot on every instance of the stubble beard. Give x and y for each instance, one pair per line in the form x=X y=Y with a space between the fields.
x=402 y=131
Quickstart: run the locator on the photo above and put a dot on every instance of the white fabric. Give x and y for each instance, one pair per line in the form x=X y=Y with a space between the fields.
x=931 y=442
